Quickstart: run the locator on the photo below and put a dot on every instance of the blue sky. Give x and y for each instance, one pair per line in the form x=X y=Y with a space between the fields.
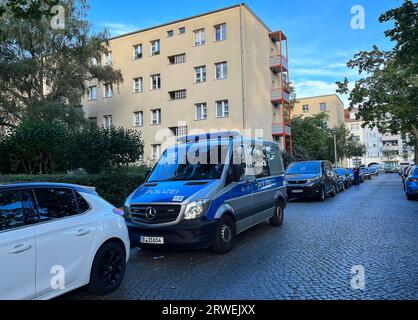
x=321 y=39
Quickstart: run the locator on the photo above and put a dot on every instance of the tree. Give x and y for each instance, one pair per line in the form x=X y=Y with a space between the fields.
x=387 y=97
x=310 y=134
x=35 y=9
x=39 y=64
x=347 y=146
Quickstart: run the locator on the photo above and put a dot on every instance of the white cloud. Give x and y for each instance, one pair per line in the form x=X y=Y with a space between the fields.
x=310 y=88
x=117 y=28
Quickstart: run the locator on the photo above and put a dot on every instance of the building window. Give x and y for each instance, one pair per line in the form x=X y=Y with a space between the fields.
x=222 y=109
x=138 y=119
x=107 y=121
x=156 y=116
x=92 y=93
x=170 y=33
x=93 y=120
x=199 y=37
x=178 y=58
x=156 y=151
x=155 y=82
x=179 y=131
x=182 y=30
x=108 y=90
x=220 y=32
x=200 y=74
x=221 y=70
x=201 y=111
x=155 y=47
x=178 y=94
x=109 y=58
x=305 y=108
x=138 y=85
x=323 y=107
x=137 y=51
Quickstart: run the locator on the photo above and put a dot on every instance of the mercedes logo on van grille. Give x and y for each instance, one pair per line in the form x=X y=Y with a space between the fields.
x=150 y=213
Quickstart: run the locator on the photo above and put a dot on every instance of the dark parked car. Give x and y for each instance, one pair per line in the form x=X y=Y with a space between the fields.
x=340 y=180
x=311 y=179
x=366 y=173
x=345 y=174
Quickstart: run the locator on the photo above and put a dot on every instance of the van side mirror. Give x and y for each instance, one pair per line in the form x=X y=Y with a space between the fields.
x=237 y=172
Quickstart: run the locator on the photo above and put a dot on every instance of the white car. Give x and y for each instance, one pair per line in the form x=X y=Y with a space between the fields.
x=55 y=238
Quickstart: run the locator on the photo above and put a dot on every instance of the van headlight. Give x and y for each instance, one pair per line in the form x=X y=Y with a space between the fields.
x=196 y=209
x=313 y=180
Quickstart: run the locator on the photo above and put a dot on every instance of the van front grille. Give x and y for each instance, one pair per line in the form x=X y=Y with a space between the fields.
x=155 y=214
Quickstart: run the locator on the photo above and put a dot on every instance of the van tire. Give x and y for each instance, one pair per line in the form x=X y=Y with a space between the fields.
x=322 y=195
x=224 y=236
x=110 y=256
x=277 y=219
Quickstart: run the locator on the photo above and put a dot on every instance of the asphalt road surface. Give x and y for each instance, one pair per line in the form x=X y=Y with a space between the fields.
x=373 y=229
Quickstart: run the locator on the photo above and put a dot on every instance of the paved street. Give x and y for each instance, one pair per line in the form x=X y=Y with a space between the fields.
x=309 y=257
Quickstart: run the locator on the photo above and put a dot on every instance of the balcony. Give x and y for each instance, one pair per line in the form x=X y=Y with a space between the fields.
x=278 y=129
x=278 y=61
x=277 y=95
x=391 y=148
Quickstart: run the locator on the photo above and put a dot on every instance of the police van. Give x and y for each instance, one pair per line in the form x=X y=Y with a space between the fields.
x=207 y=189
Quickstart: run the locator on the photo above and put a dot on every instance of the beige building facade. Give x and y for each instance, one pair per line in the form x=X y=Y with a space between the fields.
x=331 y=104
x=209 y=72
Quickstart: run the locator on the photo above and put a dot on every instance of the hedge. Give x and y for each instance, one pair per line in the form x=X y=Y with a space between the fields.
x=115 y=187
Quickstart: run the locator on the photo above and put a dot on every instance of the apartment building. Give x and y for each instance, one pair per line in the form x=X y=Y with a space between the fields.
x=330 y=104
x=381 y=148
x=221 y=70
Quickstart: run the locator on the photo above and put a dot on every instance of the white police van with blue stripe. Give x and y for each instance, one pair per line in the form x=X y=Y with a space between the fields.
x=205 y=190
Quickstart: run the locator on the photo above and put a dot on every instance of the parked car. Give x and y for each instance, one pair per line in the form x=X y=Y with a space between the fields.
x=55 y=238
x=340 y=181
x=351 y=175
x=345 y=175
x=196 y=203
x=411 y=183
x=366 y=173
x=311 y=179
x=374 y=170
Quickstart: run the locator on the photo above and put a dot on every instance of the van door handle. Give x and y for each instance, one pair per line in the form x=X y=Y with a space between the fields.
x=82 y=232
x=20 y=248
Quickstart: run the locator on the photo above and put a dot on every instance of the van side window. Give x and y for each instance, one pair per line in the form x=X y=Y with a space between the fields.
x=274 y=159
x=258 y=166
x=238 y=157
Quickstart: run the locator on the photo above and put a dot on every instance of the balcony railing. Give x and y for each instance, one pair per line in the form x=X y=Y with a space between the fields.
x=276 y=61
x=391 y=148
x=277 y=95
x=280 y=129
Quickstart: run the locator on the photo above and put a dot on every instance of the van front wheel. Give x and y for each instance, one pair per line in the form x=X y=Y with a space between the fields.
x=277 y=219
x=224 y=236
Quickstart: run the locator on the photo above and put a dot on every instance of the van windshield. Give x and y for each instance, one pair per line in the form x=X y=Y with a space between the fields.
x=304 y=168
x=191 y=161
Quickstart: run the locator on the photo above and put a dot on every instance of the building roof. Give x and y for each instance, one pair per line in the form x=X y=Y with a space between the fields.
x=324 y=95
x=194 y=17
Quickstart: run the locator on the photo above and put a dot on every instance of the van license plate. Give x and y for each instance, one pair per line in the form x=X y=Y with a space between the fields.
x=152 y=240
x=297 y=191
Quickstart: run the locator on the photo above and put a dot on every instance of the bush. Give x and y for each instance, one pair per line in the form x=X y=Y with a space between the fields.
x=97 y=148
x=114 y=186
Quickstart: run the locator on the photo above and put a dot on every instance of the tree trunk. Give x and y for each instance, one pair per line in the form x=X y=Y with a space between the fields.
x=415 y=132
